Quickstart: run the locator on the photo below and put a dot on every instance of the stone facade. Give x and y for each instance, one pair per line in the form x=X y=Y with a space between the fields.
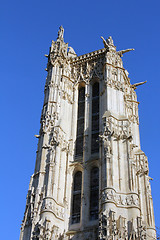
x=91 y=176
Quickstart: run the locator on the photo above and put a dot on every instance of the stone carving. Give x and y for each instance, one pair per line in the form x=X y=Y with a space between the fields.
x=34 y=201
x=107 y=134
x=60 y=33
x=48 y=121
x=110 y=228
x=120 y=198
x=57 y=138
x=71 y=50
x=120 y=53
x=67 y=91
x=141 y=163
x=117 y=128
x=46 y=231
x=89 y=70
x=54 y=140
x=135 y=85
x=131 y=105
x=114 y=84
x=104 y=42
x=108 y=42
x=50 y=205
x=123 y=167
x=58 y=51
x=120 y=229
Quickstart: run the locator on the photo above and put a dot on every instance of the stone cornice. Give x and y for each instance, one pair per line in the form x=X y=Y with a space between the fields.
x=88 y=56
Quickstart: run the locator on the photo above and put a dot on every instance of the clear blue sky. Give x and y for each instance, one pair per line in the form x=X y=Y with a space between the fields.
x=26 y=29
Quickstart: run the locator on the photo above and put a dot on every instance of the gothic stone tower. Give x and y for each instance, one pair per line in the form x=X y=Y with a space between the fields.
x=91 y=176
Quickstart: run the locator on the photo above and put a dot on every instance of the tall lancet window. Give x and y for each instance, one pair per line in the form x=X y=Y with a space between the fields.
x=76 y=205
x=95 y=118
x=80 y=122
x=94 y=193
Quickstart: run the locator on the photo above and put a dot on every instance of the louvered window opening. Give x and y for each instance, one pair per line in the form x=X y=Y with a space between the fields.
x=76 y=206
x=95 y=118
x=94 y=193
x=80 y=122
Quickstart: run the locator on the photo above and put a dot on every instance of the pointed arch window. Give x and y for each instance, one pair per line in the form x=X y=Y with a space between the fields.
x=76 y=205
x=95 y=118
x=94 y=193
x=80 y=122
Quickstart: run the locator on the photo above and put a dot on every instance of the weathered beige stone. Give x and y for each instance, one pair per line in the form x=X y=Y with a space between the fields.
x=125 y=200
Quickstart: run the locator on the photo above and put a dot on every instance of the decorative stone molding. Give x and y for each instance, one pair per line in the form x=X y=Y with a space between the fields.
x=115 y=84
x=88 y=71
x=67 y=96
x=131 y=105
x=34 y=201
x=48 y=121
x=88 y=57
x=118 y=128
x=120 y=199
x=46 y=231
x=52 y=206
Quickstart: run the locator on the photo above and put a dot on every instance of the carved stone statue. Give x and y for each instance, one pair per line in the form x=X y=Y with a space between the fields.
x=60 y=33
x=108 y=42
x=104 y=42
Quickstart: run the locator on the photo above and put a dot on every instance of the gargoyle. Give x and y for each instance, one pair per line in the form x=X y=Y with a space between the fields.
x=135 y=85
x=120 y=53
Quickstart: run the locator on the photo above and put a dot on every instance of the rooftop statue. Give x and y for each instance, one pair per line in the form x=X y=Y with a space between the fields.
x=60 y=33
x=109 y=42
x=104 y=42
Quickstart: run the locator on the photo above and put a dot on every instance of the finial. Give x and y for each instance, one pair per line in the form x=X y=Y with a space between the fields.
x=60 y=33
